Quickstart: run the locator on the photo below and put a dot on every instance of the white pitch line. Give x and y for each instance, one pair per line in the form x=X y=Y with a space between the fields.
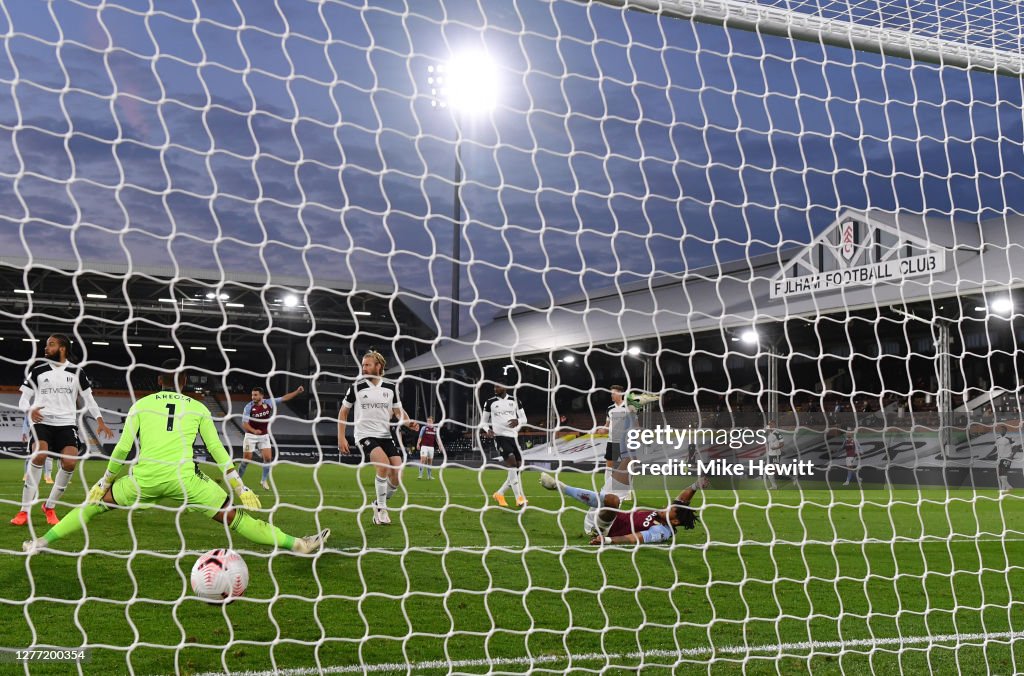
x=683 y=653
x=959 y=540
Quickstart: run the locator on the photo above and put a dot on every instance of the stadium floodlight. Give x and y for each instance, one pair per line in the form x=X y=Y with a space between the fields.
x=1001 y=306
x=750 y=337
x=100 y=342
x=634 y=351
x=568 y=359
x=211 y=295
x=97 y=296
x=361 y=313
x=467 y=83
x=291 y=300
x=27 y=292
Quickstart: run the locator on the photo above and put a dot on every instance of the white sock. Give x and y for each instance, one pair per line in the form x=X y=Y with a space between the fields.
x=381 y=484
x=391 y=490
x=505 y=486
x=607 y=479
x=513 y=480
x=49 y=465
x=60 y=484
x=1004 y=483
x=30 y=490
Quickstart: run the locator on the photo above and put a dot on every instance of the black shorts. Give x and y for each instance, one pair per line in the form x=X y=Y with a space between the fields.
x=508 y=446
x=387 y=444
x=57 y=437
x=1004 y=467
x=611 y=451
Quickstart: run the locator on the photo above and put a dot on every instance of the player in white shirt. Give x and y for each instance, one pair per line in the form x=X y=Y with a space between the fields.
x=49 y=399
x=773 y=445
x=375 y=401
x=501 y=420
x=1004 y=456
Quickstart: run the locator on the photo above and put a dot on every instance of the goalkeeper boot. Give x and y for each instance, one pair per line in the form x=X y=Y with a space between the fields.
x=20 y=519
x=33 y=546
x=500 y=499
x=311 y=543
x=51 y=515
x=641 y=399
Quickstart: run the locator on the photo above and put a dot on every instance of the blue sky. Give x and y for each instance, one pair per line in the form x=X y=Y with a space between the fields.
x=301 y=137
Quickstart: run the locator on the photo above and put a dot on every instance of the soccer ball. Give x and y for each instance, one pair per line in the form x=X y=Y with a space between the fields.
x=219 y=575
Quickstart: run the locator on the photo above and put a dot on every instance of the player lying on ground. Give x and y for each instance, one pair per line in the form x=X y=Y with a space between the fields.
x=638 y=526
x=167 y=423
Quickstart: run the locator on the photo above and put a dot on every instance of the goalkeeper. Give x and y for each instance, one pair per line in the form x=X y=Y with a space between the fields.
x=167 y=423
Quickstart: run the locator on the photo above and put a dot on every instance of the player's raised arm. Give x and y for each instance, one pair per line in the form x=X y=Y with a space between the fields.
x=291 y=395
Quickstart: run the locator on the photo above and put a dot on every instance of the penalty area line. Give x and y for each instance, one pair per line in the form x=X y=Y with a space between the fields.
x=683 y=653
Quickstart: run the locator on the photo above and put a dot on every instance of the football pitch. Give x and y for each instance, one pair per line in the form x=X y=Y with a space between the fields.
x=819 y=582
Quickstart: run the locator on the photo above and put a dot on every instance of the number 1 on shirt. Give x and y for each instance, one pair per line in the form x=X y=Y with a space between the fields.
x=170 y=417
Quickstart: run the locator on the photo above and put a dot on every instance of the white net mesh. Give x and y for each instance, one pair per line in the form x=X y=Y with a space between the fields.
x=799 y=212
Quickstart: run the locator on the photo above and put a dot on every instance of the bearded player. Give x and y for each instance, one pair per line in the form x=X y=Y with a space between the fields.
x=49 y=399
x=375 y=401
x=167 y=423
x=256 y=423
x=634 y=527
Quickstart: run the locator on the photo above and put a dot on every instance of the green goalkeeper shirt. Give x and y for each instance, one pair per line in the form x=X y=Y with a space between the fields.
x=166 y=424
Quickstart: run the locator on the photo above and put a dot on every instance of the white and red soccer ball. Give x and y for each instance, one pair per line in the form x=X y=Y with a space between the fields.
x=219 y=575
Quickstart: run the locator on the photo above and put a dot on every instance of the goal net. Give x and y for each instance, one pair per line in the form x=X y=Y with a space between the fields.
x=702 y=317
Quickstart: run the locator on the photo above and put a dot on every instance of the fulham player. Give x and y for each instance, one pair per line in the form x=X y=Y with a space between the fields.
x=502 y=417
x=375 y=401
x=49 y=398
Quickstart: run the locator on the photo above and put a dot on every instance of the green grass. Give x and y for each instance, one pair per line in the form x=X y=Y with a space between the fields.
x=860 y=569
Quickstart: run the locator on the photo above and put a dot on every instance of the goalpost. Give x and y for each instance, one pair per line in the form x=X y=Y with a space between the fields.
x=790 y=217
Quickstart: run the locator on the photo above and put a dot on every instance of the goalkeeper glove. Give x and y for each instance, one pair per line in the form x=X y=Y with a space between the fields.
x=100 y=488
x=248 y=499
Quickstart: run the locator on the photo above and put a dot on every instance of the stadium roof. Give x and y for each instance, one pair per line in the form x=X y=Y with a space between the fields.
x=977 y=259
x=416 y=303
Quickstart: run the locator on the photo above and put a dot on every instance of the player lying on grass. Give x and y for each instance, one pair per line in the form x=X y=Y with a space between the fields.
x=167 y=423
x=638 y=526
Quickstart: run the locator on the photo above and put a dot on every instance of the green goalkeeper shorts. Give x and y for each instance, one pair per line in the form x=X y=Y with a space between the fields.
x=198 y=492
